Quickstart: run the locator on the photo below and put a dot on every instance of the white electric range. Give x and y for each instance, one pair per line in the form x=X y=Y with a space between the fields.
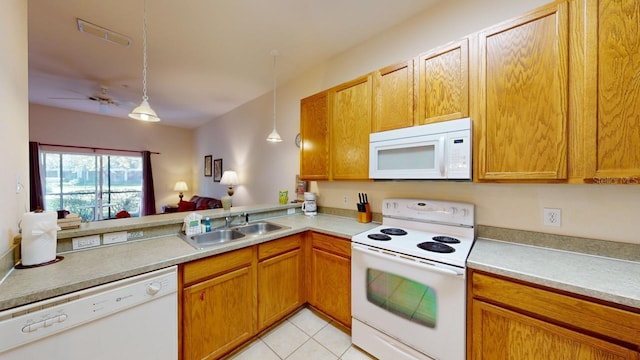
x=408 y=280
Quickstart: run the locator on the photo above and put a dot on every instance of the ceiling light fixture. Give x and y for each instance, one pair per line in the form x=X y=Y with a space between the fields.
x=274 y=136
x=102 y=33
x=144 y=112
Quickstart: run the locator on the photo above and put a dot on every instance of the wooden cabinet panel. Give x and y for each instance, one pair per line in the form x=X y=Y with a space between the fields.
x=330 y=277
x=209 y=267
x=393 y=97
x=444 y=83
x=514 y=320
x=503 y=334
x=218 y=314
x=350 y=128
x=280 y=279
x=314 y=135
x=522 y=97
x=612 y=93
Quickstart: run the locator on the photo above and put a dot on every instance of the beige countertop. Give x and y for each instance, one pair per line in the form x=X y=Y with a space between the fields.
x=83 y=269
x=599 y=277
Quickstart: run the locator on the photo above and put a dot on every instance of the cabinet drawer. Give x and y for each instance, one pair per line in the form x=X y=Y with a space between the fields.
x=211 y=266
x=558 y=308
x=332 y=244
x=279 y=246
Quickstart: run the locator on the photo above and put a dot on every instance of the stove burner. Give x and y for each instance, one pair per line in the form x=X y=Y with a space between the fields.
x=393 y=231
x=436 y=247
x=446 y=239
x=379 y=237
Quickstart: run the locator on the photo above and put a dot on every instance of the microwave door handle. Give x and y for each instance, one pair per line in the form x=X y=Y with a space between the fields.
x=441 y=154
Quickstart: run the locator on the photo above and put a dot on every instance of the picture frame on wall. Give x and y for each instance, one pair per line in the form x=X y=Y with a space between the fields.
x=207 y=165
x=217 y=170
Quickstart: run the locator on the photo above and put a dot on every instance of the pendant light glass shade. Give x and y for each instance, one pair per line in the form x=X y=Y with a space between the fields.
x=274 y=136
x=144 y=112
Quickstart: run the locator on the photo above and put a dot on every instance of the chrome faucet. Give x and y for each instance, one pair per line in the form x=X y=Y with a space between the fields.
x=228 y=220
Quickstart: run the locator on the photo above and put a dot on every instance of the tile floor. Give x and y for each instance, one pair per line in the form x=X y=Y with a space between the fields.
x=303 y=336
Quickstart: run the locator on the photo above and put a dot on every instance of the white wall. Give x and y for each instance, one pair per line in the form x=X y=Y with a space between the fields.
x=14 y=125
x=595 y=211
x=61 y=127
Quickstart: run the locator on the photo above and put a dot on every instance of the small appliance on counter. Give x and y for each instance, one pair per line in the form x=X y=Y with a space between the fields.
x=309 y=205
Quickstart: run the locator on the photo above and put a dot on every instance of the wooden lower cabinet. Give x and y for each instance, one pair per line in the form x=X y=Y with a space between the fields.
x=513 y=320
x=330 y=276
x=280 y=279
x=218 y=304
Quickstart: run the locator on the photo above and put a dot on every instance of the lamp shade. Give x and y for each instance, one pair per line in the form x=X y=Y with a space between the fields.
x=181 y=186
x=230 y=178
x=144 y=112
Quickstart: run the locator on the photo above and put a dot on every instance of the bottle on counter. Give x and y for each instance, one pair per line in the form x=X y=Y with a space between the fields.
x=207 y=224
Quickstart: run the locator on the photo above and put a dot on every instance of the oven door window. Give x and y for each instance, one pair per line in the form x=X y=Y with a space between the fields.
x=403 y=297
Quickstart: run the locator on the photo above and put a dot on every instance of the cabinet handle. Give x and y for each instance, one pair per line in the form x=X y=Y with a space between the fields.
x=202 y=295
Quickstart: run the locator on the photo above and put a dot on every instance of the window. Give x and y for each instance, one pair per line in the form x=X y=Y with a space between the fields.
x=95 y=186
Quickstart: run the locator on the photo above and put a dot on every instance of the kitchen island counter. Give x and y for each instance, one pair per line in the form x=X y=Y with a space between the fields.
x=92 y=267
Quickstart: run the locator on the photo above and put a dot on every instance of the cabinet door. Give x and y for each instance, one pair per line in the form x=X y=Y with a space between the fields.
x=314 y=135
x=522 y=97
x=280 y=280
x=502 y=334
x=393 y=90
x=350 y=128
x=612 y=102
x=444 y=83
x=218 y=314
x=330 y=274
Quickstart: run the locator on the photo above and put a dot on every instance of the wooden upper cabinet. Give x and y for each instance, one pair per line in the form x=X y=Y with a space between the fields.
x=612 y=91
x=314 y=134
x=444 y=83
x=393 y=97
x=522 y=110
x=350 y=128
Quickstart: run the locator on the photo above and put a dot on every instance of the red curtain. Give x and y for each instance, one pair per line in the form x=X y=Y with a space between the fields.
x=35 y=179
x=148 y=193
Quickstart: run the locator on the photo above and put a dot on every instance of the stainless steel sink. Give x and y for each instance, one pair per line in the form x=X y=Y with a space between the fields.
x=213 y=238
x=258 y=228
x=220 y=236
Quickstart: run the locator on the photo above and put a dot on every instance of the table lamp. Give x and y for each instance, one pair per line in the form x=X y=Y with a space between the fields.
x=181 y=186
x=229 y=178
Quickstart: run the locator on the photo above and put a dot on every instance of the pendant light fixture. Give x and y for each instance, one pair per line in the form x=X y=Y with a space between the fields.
x=274 y=136
x=144 y=112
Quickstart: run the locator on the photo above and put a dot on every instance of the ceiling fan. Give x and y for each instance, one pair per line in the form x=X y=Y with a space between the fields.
x=103 y=99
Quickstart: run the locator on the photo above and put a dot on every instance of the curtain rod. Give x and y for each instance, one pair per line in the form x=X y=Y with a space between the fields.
x=97 y=148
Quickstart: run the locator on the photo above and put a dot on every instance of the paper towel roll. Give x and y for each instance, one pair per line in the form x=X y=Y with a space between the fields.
x=39 y=237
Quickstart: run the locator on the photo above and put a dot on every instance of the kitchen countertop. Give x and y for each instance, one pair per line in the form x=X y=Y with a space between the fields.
x=599 y=277
x=87 y=268
x=604 y=278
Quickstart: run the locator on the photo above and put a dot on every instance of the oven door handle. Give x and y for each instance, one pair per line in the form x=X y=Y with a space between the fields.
x=407 y=261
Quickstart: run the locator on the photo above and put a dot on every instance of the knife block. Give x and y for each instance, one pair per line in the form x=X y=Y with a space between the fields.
x=365 y=217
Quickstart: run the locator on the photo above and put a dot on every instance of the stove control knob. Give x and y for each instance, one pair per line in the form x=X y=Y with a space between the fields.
x=464 y=213
x=453 y=211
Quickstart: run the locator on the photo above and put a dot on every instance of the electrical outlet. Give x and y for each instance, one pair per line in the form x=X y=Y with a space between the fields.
x=114 y=237
x=345 y=199
x=552 y=217
x=135 y=234
x=291 y=211
x=85 y=242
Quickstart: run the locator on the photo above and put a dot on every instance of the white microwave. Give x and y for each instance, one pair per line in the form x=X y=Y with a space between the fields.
x=433 y=151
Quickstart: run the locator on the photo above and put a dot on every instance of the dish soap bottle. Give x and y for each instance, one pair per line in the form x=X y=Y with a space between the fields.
x=207 y=224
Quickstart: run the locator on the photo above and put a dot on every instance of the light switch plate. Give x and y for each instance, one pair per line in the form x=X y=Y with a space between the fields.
x=114 y=237
x=85 y=242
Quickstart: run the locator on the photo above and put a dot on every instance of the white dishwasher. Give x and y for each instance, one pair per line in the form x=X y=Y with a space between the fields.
x=133 y=318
